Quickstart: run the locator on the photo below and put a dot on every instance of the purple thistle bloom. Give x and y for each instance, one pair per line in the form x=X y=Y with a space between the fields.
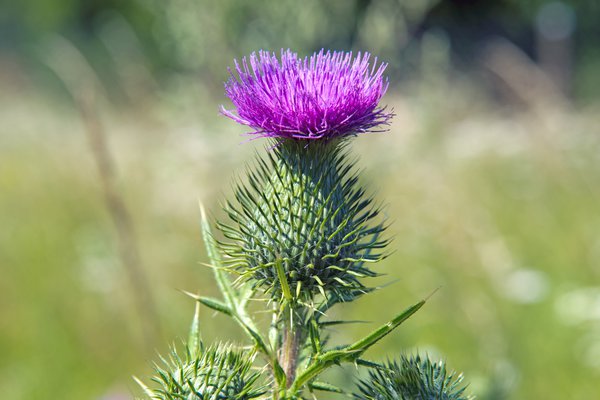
x=324 y=96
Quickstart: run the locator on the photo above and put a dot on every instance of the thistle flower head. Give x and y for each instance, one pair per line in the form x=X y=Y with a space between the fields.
x=412 y=378
x=324 y=96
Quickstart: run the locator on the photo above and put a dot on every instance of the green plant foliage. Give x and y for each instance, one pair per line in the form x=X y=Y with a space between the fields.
x=412 y=378
x=302 y=215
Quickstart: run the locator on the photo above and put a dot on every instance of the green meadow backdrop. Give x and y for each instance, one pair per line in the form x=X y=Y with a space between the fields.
x=110 y=136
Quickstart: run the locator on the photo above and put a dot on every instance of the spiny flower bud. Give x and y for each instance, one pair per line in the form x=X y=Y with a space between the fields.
x=217 y=373
x=304 y=212
x=412 y=378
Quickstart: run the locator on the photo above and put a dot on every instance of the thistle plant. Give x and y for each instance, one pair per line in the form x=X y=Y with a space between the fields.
x=301 y=233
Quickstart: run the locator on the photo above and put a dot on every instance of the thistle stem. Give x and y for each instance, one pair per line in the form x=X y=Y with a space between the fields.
x=290 y=356
x=291 y=341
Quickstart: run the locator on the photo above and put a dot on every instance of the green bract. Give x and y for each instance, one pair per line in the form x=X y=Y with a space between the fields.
x=303 y=207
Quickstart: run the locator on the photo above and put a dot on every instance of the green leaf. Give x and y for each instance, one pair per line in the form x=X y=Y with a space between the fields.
x=325 y=387
x=369 y=364
x=279 y=374
x=352 y=352
x=254 y=335
x=315 y=336
x=363 y=344
x=211 y=303
x=221 y=307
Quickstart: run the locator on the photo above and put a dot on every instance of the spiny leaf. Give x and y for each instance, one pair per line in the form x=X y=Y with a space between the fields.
x=211 y=303
x=363 y=344
x=352 y=352
x=325 y=387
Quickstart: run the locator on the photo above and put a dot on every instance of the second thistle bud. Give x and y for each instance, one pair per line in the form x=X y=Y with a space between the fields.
x=412 y=377
x=219 y=372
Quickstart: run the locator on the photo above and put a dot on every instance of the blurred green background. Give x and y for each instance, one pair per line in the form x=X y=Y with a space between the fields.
x=110 y=134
